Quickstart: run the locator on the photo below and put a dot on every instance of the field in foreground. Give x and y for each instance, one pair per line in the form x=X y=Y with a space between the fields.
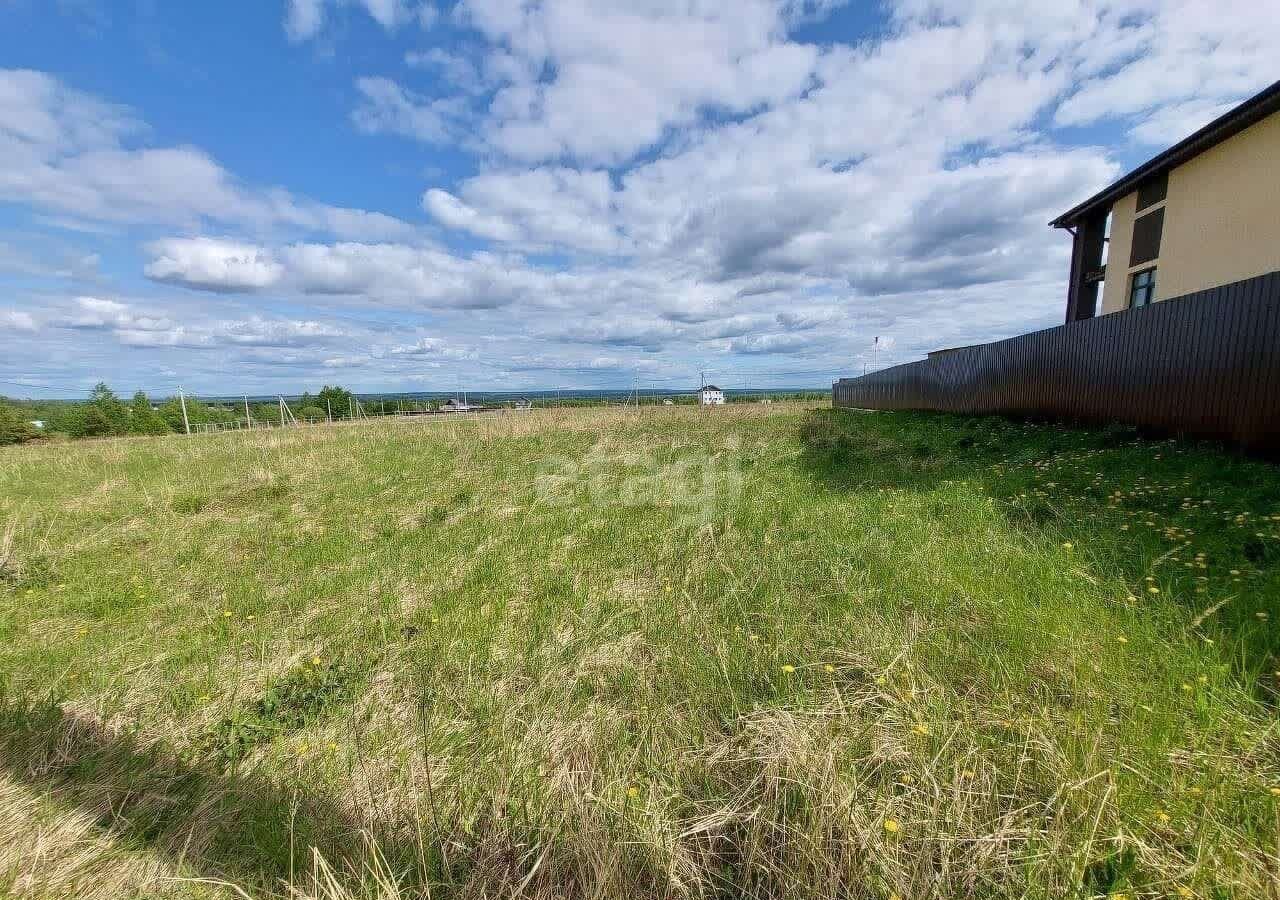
x=754 y=651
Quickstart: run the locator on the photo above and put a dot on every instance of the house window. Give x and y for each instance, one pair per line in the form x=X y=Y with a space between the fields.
x=1142 y=288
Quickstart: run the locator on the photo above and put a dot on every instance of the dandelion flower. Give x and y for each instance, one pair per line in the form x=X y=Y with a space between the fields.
x=891 y=826
x=828 y=668
x=315 y=660
x=1122 y=639
x=920 y=729
x=226 y=614
x=1162 y=817
x=1153 y=590
x=1274 y=791
x=788 y=669
x=1067 y=545
x=633 y=792
x=1186 y=687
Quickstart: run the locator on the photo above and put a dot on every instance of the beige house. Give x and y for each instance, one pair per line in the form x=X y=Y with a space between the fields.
x=1204 y=213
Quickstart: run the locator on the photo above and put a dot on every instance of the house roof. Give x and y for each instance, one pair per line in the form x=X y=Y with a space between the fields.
x=1251 y=111
x=709 y=387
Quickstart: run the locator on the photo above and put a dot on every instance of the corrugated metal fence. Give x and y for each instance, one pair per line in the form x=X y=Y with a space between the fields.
x=1206 y=364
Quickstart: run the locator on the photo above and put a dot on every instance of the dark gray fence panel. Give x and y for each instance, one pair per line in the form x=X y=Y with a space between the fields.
x=1207 y=365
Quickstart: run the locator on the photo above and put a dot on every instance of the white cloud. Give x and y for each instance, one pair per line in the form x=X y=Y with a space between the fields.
x=387 y=108
x=211 y=264
x=612 y=92
x=66 y=152
x=17 y=320
x=304 y=19
x=452 y=212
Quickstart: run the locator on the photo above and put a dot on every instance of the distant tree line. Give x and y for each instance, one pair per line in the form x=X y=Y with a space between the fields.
x=105 y=414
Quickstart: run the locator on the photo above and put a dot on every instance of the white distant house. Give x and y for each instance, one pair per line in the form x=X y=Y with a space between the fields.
x=710 y=395
x=38 y=423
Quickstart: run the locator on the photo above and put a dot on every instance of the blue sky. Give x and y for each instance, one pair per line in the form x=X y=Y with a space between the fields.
x=517 y=194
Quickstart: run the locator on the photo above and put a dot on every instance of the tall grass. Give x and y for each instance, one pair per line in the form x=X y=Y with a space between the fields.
x=754 y=651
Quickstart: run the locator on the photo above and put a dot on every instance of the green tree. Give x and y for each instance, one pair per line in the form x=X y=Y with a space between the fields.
x=143 y=419
x=14 y=429
x=104 y=414
x=340 y=400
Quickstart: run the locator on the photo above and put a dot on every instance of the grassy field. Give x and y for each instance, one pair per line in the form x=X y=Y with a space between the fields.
x=757 y=651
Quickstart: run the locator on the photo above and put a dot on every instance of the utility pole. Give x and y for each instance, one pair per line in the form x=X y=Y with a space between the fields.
x=281 y=399
x=248 y=422
x=183 y=400
x=328 y=406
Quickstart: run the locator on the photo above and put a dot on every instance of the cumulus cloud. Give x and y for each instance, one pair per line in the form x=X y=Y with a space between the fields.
x=452 y=212
x=610 y=94
x=211 y=264
x=64 y=151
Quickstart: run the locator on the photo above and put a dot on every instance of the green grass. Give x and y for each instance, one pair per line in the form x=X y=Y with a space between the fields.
x=755 y=651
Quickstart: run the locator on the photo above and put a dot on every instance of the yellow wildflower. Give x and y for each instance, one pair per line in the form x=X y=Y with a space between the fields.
x=633 y=792
x=788 y=668
x=891 y=826
x=828 y=668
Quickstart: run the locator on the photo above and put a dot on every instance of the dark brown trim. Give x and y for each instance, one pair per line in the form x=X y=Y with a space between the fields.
x=1250 y=112
x=1086 y=262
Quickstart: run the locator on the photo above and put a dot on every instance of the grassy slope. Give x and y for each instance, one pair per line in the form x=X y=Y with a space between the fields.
x=759 y=651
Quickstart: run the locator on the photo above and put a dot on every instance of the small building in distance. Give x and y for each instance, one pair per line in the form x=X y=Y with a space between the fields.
x=455 y=405
x=710 y=395
x=524 y=403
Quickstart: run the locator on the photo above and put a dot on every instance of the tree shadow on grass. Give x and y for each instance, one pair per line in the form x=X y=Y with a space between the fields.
x=1177 y=500
x=235 y=827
